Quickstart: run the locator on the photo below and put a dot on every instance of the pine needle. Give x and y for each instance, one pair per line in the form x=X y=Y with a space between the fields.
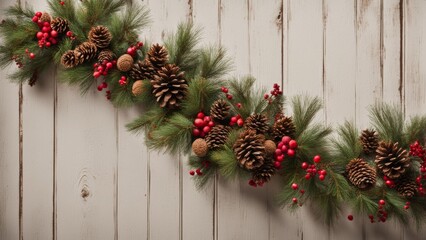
x=214 y=63
x=388 y=120
x=304 y=110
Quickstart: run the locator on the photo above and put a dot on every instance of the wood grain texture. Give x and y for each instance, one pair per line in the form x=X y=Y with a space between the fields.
x=9 y=152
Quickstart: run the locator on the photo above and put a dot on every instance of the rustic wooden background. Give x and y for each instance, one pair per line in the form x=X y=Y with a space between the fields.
x=70 y=170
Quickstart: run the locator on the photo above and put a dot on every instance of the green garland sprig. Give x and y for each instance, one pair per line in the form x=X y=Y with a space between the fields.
x=226 y=125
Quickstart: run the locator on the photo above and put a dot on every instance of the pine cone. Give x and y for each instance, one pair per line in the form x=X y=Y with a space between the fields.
x=406 y=186
x=283 y=127
x=219 y=110
x=106 y=55
x=257 y=122
x=85 y=52
x=360 y=174
x=199 y=147
x=249 y=150
x=157 y=56
x=392 y=160
x=100 y=36
x=169 y=86
x=217 y=136
x=142 y=70
x=369 y=140
x=45 y=17
x=60 y=25
x=265 y=172
x=69 y=60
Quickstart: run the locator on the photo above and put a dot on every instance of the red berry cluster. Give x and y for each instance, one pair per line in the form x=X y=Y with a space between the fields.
x=199 y=171
x=46 y=36
x=417 y=150
x=202 y=125
x=274 y=92
x=29 y=54
x=237 y=119
x=123 y=81
x=407 y=205
x=287 y=147
x=255 y=184
x=312 y=170
x=226 y=91
x=133 y=49
x=295 y=187
x=18 y=61
x=389 y=182
x=382 y=215
x=101 y=69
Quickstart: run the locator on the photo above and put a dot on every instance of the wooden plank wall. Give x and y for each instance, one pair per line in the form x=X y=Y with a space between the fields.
x=70 y=170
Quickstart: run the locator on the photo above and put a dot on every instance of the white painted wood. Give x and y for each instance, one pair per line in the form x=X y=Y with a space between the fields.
x=9 y=152
x=198 y=204
x=85 y=165
x=132 y=188
x=38 y=152
x=165 y=171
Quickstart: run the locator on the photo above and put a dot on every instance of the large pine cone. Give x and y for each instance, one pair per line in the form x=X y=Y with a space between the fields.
x=219 y=110
x=169 y=86
x=60 y=25
x=360 y=174
x=85 y=52
x=142 y=70
x=406 y=186
x=265 y=172
x=106 y=55
x=392 y=160
x=249 y=150
x=158 y=56
x=100 y=36
x=257 y=122
x=283 y=127
x=217 y=136
x=69 y=60
x=369 y=140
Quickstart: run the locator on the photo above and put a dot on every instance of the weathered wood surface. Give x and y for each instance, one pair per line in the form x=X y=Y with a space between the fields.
x=70 y=170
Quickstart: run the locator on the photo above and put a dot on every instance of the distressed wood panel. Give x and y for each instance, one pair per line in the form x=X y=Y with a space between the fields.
x=10 y=227
x=86 y=165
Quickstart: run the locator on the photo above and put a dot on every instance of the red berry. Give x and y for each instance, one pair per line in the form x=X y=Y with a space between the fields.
x=198 y=171
x=32 y=55
x=302 y=191
x=382 y=202
x=280 y=145
x=294 y=186
x=46 y=29
x=321 y=177
x=54 y=33
x=35 y=19
x=308 y=176
x=100 y=88
x=229 y=96
x=266 y=96
x=211 y=124
x=62 y=3
x=54 y=41
x=196 y=132
x=278 y=152
x=280 y=158
x=104 y=85
x=109 y=65
x=284 y=148
x=406 y=207
x=192 y=173
x=389 y=183
x=323 y=172
x=286 y=139
x=224 y=89
x=96 y=74
x=239 y=105
x=38 y=14
x=294 y=200
x=198 y=122
x=305 y=165
x=207 y=119
x=206 y=129
x=317 y=159
x=39 y=35
x=292 y=144
x=291 y=153
x=350 y=217
x=240 y=122
x=200 y=115
x=131 y=51
x=252 y=183
x=277 y=164
x=69 y=34
x=48 y=44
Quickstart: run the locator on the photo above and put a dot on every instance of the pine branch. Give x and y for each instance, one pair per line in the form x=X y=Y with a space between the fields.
x=416 y=130
x=81 y=75
x=147 y=121
x=207 y=173
x=17 y=11
x=66 y=11
x=214 y=63
x=304 y=110
x=348 y=145
x=388 y=120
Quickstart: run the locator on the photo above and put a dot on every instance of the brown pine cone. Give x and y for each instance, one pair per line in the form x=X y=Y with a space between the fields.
x=45 y=17
x=157 y=56
x=406 y=186
x=142 y=70
x=106 y=55
x=392 y=160
x=217 y=136
x=257 y=122
x=283 y=126
x=249 y=150
x=85 y=52
x=100 y=36
x=69 y=60
x=265 y=172
x=219 y=110
x=369 y=140
x=169 y=86
x=361 y=174
x=60 y=25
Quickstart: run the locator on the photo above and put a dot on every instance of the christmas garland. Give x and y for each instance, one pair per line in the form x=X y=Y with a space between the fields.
x=228 y=127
